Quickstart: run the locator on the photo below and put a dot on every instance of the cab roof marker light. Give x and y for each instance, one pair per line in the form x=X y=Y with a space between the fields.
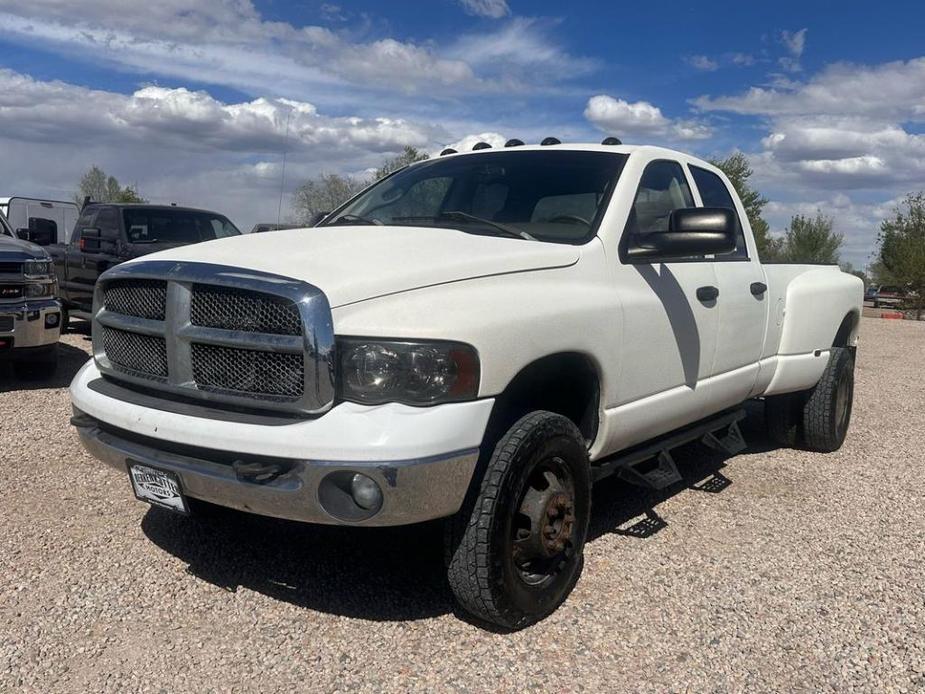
x=611 y=141
x=514 y=142
x=481 y=145
x=551 y=141
x=448 y=150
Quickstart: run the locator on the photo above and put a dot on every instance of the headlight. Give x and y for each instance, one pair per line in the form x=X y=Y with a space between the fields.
x=36 y=290
x=415 y=373
x=38 y=269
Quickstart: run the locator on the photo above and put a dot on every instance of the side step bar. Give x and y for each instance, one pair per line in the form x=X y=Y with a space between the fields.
x=650 y=464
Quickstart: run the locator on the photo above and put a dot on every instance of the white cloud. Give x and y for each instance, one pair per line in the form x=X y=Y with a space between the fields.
x=59 y=112
x=794 y=42
x=469 y=141
x=495 y=9
x=702 y=62
x=640 y=118
x=230 y=43
x=857 y=221
x=520 y=52
x=743 y=59
x=846 y=127
x=184 y=146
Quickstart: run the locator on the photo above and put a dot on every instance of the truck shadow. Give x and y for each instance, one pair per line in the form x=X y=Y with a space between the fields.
x=70 y=359
x=386 y=574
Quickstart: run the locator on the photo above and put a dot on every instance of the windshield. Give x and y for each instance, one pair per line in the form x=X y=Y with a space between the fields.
x=175 y=226
x=555 y=196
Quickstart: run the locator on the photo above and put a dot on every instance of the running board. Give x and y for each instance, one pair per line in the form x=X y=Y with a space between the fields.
x=650 y=464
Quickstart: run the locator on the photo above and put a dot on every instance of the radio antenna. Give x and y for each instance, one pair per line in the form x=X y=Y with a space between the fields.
x=282 y=179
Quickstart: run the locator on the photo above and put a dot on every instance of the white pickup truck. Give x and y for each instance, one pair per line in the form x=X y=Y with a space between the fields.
x=477 y=337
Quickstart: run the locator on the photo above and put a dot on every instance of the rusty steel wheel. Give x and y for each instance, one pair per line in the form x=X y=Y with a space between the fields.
x=515 y=549
x=543 y=527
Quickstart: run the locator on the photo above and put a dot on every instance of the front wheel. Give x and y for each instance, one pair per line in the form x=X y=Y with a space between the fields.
x=516 y=550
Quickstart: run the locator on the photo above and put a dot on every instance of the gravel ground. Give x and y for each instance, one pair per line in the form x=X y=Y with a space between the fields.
x=775 y=570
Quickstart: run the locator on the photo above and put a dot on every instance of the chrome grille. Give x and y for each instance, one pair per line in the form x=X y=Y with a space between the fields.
x=136 y=354
x=139 y=298
x=247 y=371
x=229 y=308
x=221 y=334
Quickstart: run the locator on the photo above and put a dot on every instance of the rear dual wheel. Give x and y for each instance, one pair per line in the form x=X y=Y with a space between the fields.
x=515 y=551
x=817 y=418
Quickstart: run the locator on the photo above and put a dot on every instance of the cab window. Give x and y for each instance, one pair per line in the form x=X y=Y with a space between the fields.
x=714 y=193
x=662 y=190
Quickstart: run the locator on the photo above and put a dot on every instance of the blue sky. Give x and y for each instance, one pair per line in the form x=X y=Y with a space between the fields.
x=190 y=101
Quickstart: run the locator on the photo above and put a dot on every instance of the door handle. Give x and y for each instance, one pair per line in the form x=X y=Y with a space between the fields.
x=707 y=293
x=758 y=288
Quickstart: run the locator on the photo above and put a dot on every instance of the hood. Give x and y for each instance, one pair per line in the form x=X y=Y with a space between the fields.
x=355 y=263
x=16 y=249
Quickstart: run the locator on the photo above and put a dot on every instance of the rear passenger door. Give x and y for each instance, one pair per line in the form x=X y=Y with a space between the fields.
x=742 y=301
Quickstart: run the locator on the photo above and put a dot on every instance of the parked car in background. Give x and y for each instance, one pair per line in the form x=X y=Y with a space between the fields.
x=889 y=296
x=37 y=220
x=266 y=226
x=107 y=234
x=478 y=337
x=30 y=316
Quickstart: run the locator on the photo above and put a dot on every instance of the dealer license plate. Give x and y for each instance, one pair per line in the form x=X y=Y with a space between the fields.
x=157 y=487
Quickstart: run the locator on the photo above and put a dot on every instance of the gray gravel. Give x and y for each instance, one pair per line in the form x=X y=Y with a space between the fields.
x=804 y=573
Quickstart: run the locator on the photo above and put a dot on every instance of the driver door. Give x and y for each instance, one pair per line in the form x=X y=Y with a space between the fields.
x=670 y=333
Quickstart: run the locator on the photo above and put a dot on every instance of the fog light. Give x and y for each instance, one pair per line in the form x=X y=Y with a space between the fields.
x=365 y=492
x=51 y=320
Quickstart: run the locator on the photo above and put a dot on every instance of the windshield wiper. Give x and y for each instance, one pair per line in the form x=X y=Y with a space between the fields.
x=353 y=219
x=460 y=216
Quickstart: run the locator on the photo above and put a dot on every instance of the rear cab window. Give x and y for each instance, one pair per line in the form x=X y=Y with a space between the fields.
x=714 y=193
x=177 y=226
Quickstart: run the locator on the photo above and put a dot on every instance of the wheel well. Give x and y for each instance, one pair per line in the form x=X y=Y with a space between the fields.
x=566 y=383
x=845 y=330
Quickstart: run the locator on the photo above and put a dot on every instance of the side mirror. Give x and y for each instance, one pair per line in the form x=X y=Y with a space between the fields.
x=692 y=231
x=317 y=218
x=90 y=240
x=39 y=235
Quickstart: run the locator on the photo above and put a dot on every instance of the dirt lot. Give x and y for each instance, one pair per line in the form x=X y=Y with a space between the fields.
x=775 y=570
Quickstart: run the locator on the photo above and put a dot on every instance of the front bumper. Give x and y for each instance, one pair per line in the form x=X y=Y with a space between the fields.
x=413 y=490
x=422 y=458
x=27 y=322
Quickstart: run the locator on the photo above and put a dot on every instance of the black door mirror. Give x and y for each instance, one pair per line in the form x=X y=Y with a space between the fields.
x=42 y=232
x=90 y=240
x=692 y=231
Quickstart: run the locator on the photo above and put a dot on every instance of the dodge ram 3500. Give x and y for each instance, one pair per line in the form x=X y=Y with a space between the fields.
x=478 y=337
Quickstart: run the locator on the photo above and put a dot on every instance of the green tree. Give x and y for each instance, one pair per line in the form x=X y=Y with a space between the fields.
x=328 y=191
x=409 y=155
x=902 y=246
x=879 y=273
x=811 y=240
x=99 y=187
x=851 y=270
x=738 y=170
x=324 y=194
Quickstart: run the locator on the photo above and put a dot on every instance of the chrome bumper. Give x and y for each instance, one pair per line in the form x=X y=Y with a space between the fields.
x=412 y=490
x=28 y=323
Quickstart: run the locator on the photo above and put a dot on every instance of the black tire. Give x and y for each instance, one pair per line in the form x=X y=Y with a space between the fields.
x=537 y=487
x=783 y=416
x=827 y=412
